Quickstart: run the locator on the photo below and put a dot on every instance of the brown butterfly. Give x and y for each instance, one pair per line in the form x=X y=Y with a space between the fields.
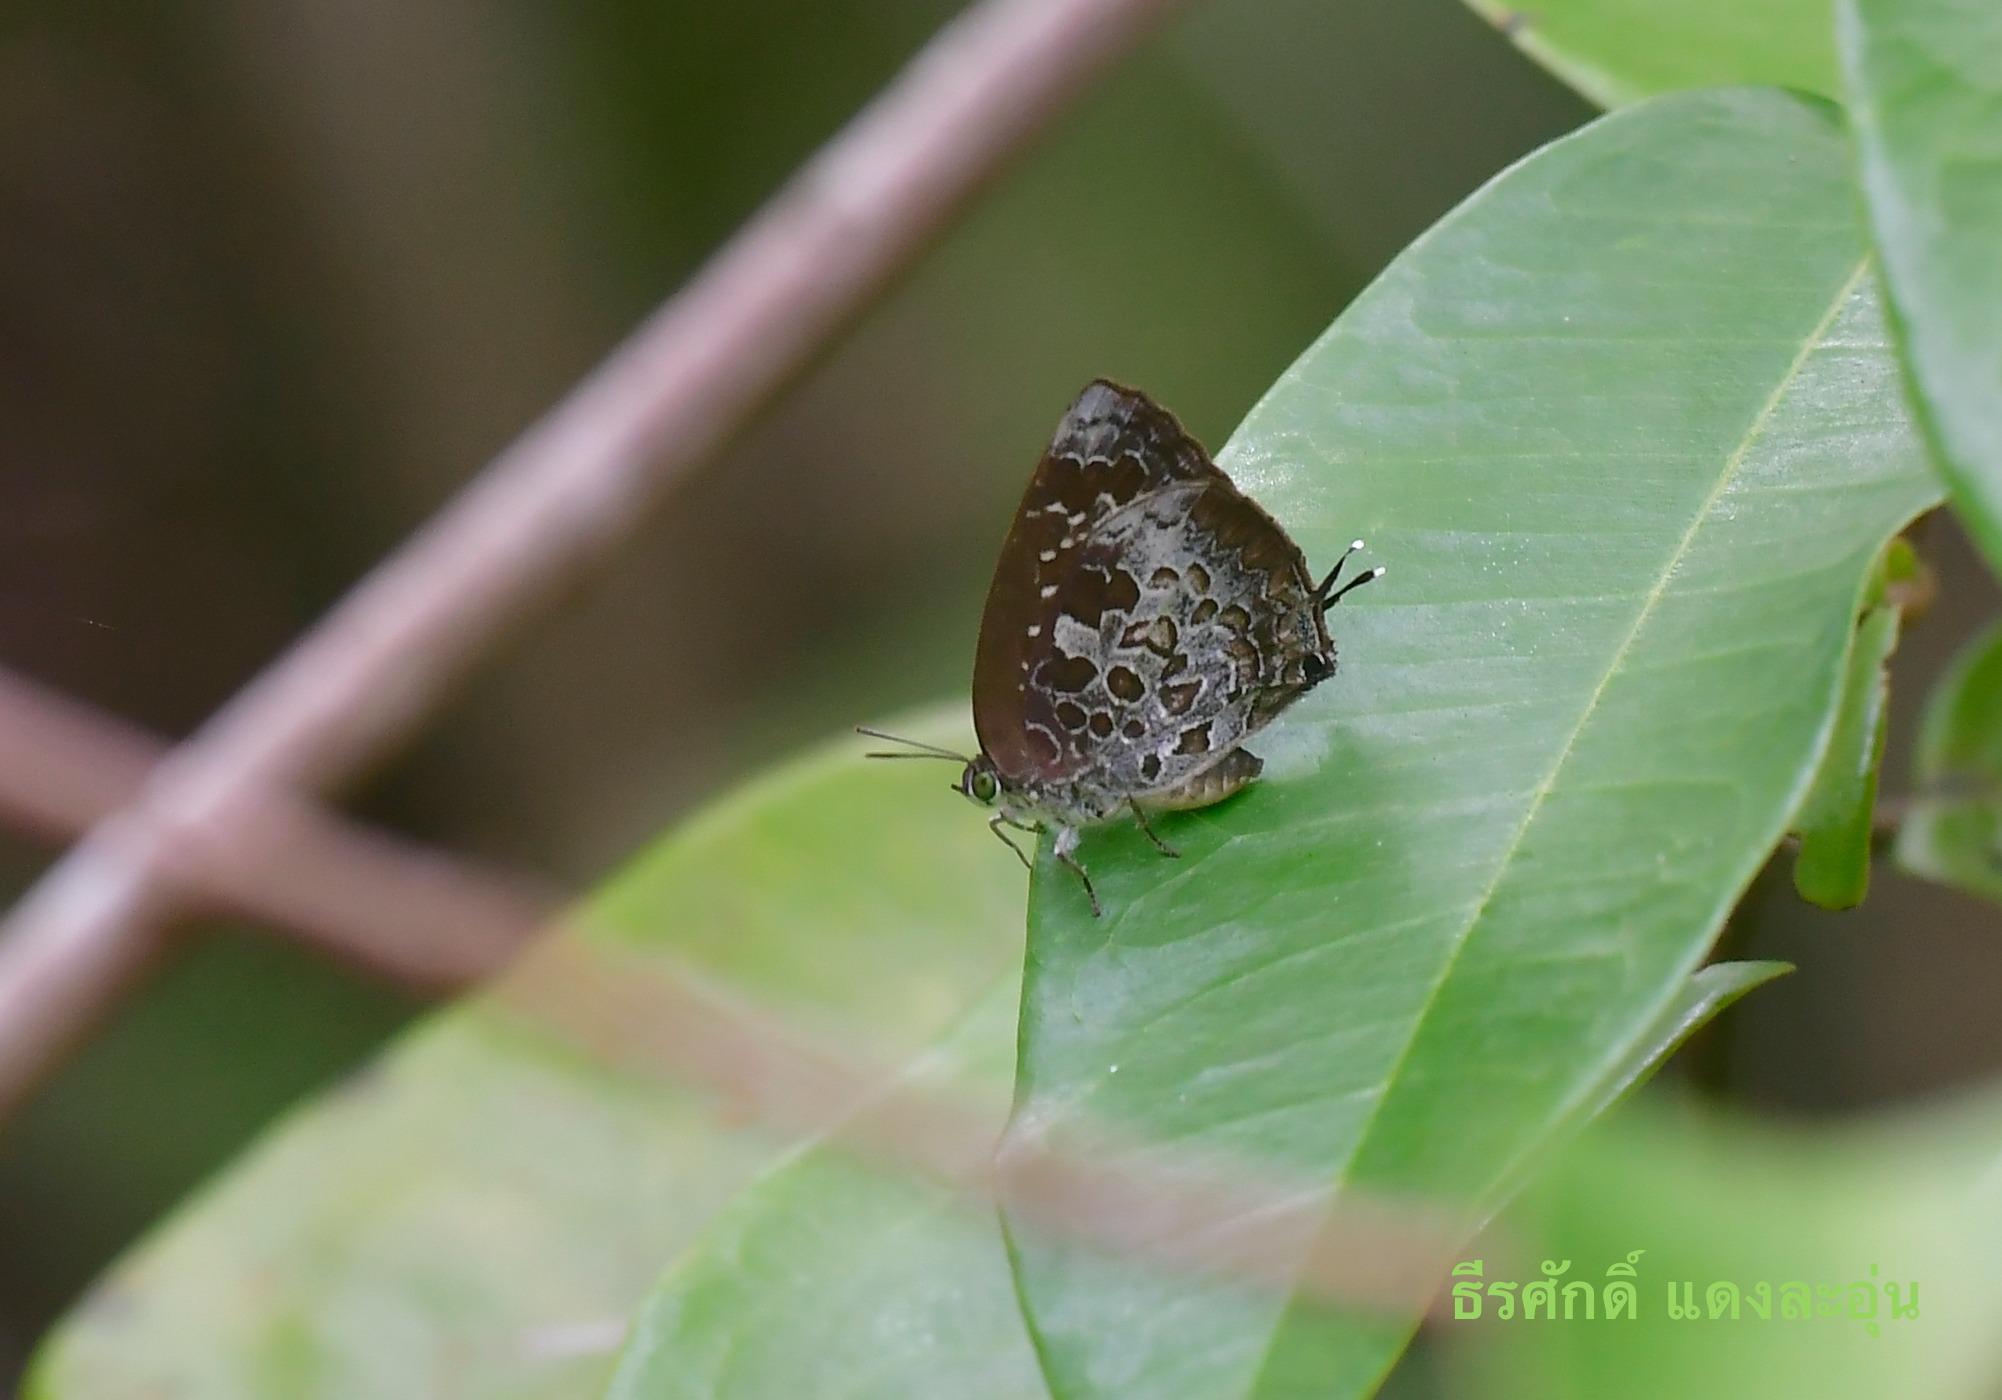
x=1146 y=618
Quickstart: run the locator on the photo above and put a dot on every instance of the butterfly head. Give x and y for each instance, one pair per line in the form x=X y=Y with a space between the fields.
x=979 y=781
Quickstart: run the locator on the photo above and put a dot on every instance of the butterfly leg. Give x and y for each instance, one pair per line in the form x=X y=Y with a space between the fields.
x=1066 y=843
x=995 y=823
x=1162 y=846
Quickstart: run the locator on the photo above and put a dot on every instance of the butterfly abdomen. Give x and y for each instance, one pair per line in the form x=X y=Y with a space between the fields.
x=1235 y=770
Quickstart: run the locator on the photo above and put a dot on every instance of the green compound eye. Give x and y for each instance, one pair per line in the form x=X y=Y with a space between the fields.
x=984 y=787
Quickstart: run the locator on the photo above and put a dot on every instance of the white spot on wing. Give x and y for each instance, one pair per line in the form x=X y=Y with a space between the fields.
x=1073 y=638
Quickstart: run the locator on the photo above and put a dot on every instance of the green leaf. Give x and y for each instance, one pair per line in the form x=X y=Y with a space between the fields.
x=851 y=1280
x=1704 y=996
x=1833 y=867
x=1700 y=1001
x=1616 y=52
x=1628 y=431
x=1900 y=569
x=1925 y=93
x=1952 y=831
x=479 y=1214
x=1710 y=1199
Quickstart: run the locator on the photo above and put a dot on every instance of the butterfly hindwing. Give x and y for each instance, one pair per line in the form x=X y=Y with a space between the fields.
x=1178 y=644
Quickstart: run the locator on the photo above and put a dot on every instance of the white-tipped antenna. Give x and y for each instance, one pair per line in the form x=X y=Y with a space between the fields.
x=1367 y=576
x=1328 y=599
x=918 y=750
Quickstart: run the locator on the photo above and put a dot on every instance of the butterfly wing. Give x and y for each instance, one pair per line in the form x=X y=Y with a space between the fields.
x=1113 y=447
x=1155 y=633
x=1222 y=632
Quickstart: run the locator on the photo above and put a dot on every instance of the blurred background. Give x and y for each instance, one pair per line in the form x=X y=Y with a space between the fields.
x=276 y=278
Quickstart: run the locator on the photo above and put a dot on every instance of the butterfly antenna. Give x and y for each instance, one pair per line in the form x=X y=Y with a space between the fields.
x=1336 y=572
x=1328 y=599
x=1368 y=576
x=915 y=750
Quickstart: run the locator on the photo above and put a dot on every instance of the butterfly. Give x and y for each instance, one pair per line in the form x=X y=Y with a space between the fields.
x=1145 y=619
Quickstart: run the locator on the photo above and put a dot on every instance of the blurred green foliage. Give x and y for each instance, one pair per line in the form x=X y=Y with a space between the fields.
x=1836 y=818
x=446 y=1223
x=1621 y=51
x=1458 y=830
x=1924 y=85
x=1724 y=1205
x=1953 y=831
x=325 y=261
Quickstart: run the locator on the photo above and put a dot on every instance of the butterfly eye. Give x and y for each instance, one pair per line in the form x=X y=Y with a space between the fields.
x=1316 y=668
x=979 y=783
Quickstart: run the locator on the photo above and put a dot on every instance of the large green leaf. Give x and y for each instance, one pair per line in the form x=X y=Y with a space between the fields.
x=1953 y=830
x=1627 y=428
x=1925 y=92
x=1620 y=51
x=478 y=1215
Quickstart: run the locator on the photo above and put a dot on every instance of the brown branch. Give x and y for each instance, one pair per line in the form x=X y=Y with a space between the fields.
x=422 y=919
x=562 y=496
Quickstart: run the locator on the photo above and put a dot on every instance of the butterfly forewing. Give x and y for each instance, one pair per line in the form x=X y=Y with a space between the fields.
x=1113 y=447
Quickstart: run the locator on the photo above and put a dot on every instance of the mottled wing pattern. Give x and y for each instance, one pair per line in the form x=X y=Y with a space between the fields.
x=1113 y=447
x=1200 y=626
x=1168 y=619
